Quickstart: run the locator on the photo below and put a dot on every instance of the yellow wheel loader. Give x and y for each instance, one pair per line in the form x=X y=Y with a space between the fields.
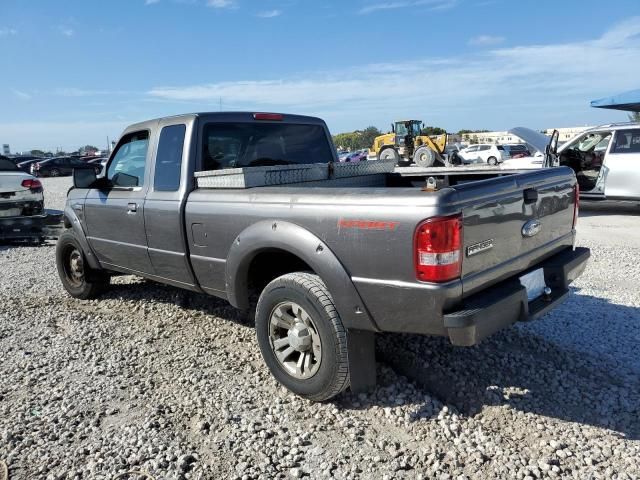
x=406 y=145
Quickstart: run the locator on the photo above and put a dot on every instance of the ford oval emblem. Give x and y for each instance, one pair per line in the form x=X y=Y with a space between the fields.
x=531 y=228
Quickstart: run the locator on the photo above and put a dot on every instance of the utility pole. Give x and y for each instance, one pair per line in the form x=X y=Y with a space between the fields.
x=220 y=103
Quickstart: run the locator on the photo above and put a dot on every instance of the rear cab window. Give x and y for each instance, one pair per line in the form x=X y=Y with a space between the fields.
x=254 y=144
x=169 y=158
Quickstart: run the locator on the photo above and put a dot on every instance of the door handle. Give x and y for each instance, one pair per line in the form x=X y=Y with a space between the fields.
x=132 y=208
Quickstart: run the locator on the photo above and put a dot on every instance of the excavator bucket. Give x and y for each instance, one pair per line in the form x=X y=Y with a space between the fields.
x=440 y=142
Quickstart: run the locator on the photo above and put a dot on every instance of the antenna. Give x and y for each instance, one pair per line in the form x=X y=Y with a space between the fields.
x=220 y=103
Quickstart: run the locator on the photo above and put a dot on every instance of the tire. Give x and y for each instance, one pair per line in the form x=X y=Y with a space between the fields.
x=54 y=172
x=492 y=161
x=78 y=279
x=298 y=308
x=424 y=157
x=389 y=153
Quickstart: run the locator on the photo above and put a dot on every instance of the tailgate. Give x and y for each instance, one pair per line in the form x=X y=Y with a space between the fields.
x=513 y=222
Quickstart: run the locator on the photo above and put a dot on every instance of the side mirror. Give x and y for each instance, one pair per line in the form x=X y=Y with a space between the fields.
x=393 y=128
x=84 y=177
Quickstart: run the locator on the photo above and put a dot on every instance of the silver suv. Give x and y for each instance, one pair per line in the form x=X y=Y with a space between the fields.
x=606 y=160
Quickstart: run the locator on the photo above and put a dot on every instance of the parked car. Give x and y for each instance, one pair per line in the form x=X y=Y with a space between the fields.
x=354 y=157
x=605 y=159
x=98 y=163
x=25 y=165
x=482 y=153
x=514 y=151
x=524 y=162
x=322 y=267
x=21 y=203
x=56 y=167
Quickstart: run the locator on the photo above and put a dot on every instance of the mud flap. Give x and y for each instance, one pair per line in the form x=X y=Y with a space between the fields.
x=362 y=360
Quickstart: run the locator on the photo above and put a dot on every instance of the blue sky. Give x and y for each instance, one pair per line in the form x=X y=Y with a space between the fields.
x=77 y=71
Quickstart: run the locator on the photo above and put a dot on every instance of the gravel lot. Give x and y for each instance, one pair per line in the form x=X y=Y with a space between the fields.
x=154 y=379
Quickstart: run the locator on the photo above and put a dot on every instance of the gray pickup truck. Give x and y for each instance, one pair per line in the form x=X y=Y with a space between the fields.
x=322 y=264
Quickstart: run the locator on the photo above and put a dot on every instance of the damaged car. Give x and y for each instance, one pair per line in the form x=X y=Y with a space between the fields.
x=22 y=212
x=605 y=159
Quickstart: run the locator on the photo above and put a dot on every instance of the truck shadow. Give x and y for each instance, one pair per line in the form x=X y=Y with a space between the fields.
x=598 y=209
x=528 y=369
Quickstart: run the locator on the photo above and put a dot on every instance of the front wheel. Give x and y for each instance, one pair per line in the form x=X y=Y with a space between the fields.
x=54 y=172
x=492 y=161
x=77 y=277
x=301 y=336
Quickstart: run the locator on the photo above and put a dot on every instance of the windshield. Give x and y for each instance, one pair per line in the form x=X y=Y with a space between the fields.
x=401 y=129
x=415 y=127
x=589 y=142
x=7 y=166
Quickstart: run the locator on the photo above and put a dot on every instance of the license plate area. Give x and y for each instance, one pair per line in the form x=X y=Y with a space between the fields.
x=10 y=212
x=534 y=283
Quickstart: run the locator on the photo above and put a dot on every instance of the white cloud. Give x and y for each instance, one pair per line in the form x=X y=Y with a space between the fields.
x=150 y=2
x=392 y=5
x=22 y=95
x=66 y=31
x=270 y=14
x=499 y=85
x=221 y=3
x=6 y=31
x=79 y=92
x=485 y=40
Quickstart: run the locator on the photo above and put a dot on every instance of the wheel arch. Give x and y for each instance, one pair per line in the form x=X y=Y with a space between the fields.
x=72 y=222
x=305 y=250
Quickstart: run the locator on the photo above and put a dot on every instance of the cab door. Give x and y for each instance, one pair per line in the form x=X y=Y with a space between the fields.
x=114 y=214
x=622 y=166
x=164 y=203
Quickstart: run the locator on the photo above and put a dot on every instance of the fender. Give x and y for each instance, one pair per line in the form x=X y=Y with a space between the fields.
x=298 y=241
x=72 y=221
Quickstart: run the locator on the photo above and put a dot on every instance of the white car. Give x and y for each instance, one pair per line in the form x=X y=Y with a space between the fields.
x=21 y=201
x=534 y=161
x=482 y=153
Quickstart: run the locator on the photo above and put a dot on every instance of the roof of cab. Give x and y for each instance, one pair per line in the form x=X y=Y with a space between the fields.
x=229 y=117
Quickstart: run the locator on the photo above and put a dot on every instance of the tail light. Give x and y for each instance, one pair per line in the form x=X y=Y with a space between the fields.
x=267 y=116
x=31 y=184
x=576 y=204
x=438 y=245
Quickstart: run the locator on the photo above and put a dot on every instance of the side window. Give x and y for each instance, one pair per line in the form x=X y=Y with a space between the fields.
x=169 y=158
x=126 y=169
x=627 y=141
x=484 y=148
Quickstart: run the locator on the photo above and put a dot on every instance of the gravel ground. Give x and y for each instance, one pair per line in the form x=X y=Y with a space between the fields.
x=154 y=379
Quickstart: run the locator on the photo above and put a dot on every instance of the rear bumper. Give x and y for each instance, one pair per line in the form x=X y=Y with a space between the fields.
x=501 y=305
x=47 y=225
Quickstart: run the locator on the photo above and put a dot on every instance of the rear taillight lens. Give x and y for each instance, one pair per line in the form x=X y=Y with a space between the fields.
x=268 y=116
x=438 y=245
x=576 y=205
x=31 y=184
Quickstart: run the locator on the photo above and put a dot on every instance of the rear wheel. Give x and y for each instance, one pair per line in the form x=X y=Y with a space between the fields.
x=77 y=277
x=301 y=336
x=492 y=161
